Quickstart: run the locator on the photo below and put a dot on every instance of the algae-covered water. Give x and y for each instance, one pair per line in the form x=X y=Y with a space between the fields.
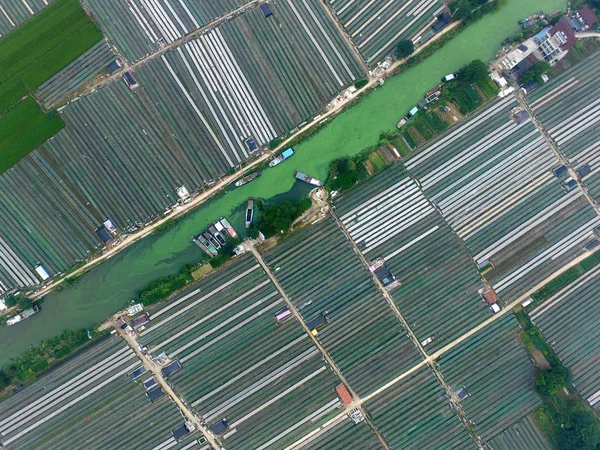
x=112 y=284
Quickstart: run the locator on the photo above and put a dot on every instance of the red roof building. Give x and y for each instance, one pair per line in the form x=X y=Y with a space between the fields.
x=587 y=16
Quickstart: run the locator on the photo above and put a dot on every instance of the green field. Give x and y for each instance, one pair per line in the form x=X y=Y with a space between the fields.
x=22 y=129
x=29 y=56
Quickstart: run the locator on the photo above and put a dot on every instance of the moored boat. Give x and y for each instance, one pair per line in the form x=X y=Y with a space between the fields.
x=23 y=315
x=284 y=155
x=228 y=227
x=247 y=179
x=307 y=179
x=249 y=212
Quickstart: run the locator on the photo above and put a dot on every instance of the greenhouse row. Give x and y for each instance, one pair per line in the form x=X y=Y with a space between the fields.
x=569 y=322
x=377 y=26
x=416 y=413
x=14 y=12
x=182 y=119
x=327 y=282
x=72 y=77
x=341 y=433
x=501 y=189
x=569 y=109
x=495 y=375
x=139 y=27
x=92 y=401
x=523 y=434
x=439 y=284
x=243 y=359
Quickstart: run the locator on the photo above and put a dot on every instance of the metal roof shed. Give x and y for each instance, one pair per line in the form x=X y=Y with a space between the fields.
x=180 y=432
x=585 y=170
x=560 y=171
x=266 y=10
x=171 y=368
x=140 y=320
x=137 y=372
x=104 y=234
x=220 y=427
x=155 y=394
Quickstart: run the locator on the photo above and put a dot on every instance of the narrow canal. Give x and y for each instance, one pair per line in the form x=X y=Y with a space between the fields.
x=112 y=284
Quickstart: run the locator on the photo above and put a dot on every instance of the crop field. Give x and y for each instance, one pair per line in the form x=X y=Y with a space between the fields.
x=14 y=12
x=569 y=322
x=523 y=434
x=69 y=79
x=569 y=109
x=341 y=434
x=497 y=374
x=266 y=378
x=293 y=77
x=321 y=274
x=378 y=26
x=138 y=28
x=492 y=179
x=45 y=45
x=415 y=413
x=388 y=216
x=91 y=402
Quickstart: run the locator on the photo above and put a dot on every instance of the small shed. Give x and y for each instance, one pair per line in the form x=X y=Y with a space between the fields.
x=489 y=296
x=171 y=368
x=569 y=184
x=585 y=170
x=155 y=394
x=114 y=66
x=139 y=321
x=41 y=271
x=250 y=144
x=149 y=383
x=137 y=372
x=180 y=432
x=130 y=80
x=521 y=117
x=385 y=276
x=462 y=393
x=560 y=171
x=103 y=234
x=220 y=427
x=343 y=394
x=318 y=323
x=266 y=10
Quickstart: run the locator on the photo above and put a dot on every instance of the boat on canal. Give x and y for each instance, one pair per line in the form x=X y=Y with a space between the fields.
x=247 y=179
x=307 y=179
x=249 y=212
x=23 y=315
x=284 y=155
x=225 y=223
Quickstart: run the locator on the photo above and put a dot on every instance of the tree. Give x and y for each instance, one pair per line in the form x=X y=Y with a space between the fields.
x=405 y=48
x=536 y=71
x=461 y=10
x=4 y=380
x=25 y=303
x=280 y=216
x=581 y=430
x=474 y=72
x=549 y=382
x=10 y=301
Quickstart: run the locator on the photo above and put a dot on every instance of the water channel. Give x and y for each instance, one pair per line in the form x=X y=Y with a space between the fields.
x=113 y=283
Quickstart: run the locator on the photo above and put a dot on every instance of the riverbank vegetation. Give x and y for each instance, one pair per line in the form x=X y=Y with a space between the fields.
x=50 y=352
x=162 y=287
x=567 y=420
x=278 y=217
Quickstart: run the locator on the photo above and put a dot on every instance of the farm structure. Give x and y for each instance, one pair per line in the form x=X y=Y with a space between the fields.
x=416 y=413
x=139 y=28
x=341 y=433
x=523 y=434
x=72 y=77
x=492 y=376
x=569 y=109
x=92 y=401
x=377 y=26
x=569 y=322
x=337 y=298
x=123 y=153
x=14 y=12
x=492 y=179
x=389 y=217
x=263 y=376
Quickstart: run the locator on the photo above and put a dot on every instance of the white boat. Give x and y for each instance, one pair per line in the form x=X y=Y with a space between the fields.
x=307 y=179
x=284 y=155
x=249 y=212
x=228 y=227
x=24 y=315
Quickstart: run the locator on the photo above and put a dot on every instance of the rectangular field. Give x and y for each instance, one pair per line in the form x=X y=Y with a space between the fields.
x=569 y=109
x=266 y=378
x=415 y=413
x=322 y=275
x=388 y=216
x=569 y=322
x=14 y=12
x=90 y=401
x=523 y=434
x=496 y=373
x=377 y=26
x=491 y=177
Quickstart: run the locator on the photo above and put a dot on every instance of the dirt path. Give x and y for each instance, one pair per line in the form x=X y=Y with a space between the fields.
x=156 y=371
x=356 y=399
